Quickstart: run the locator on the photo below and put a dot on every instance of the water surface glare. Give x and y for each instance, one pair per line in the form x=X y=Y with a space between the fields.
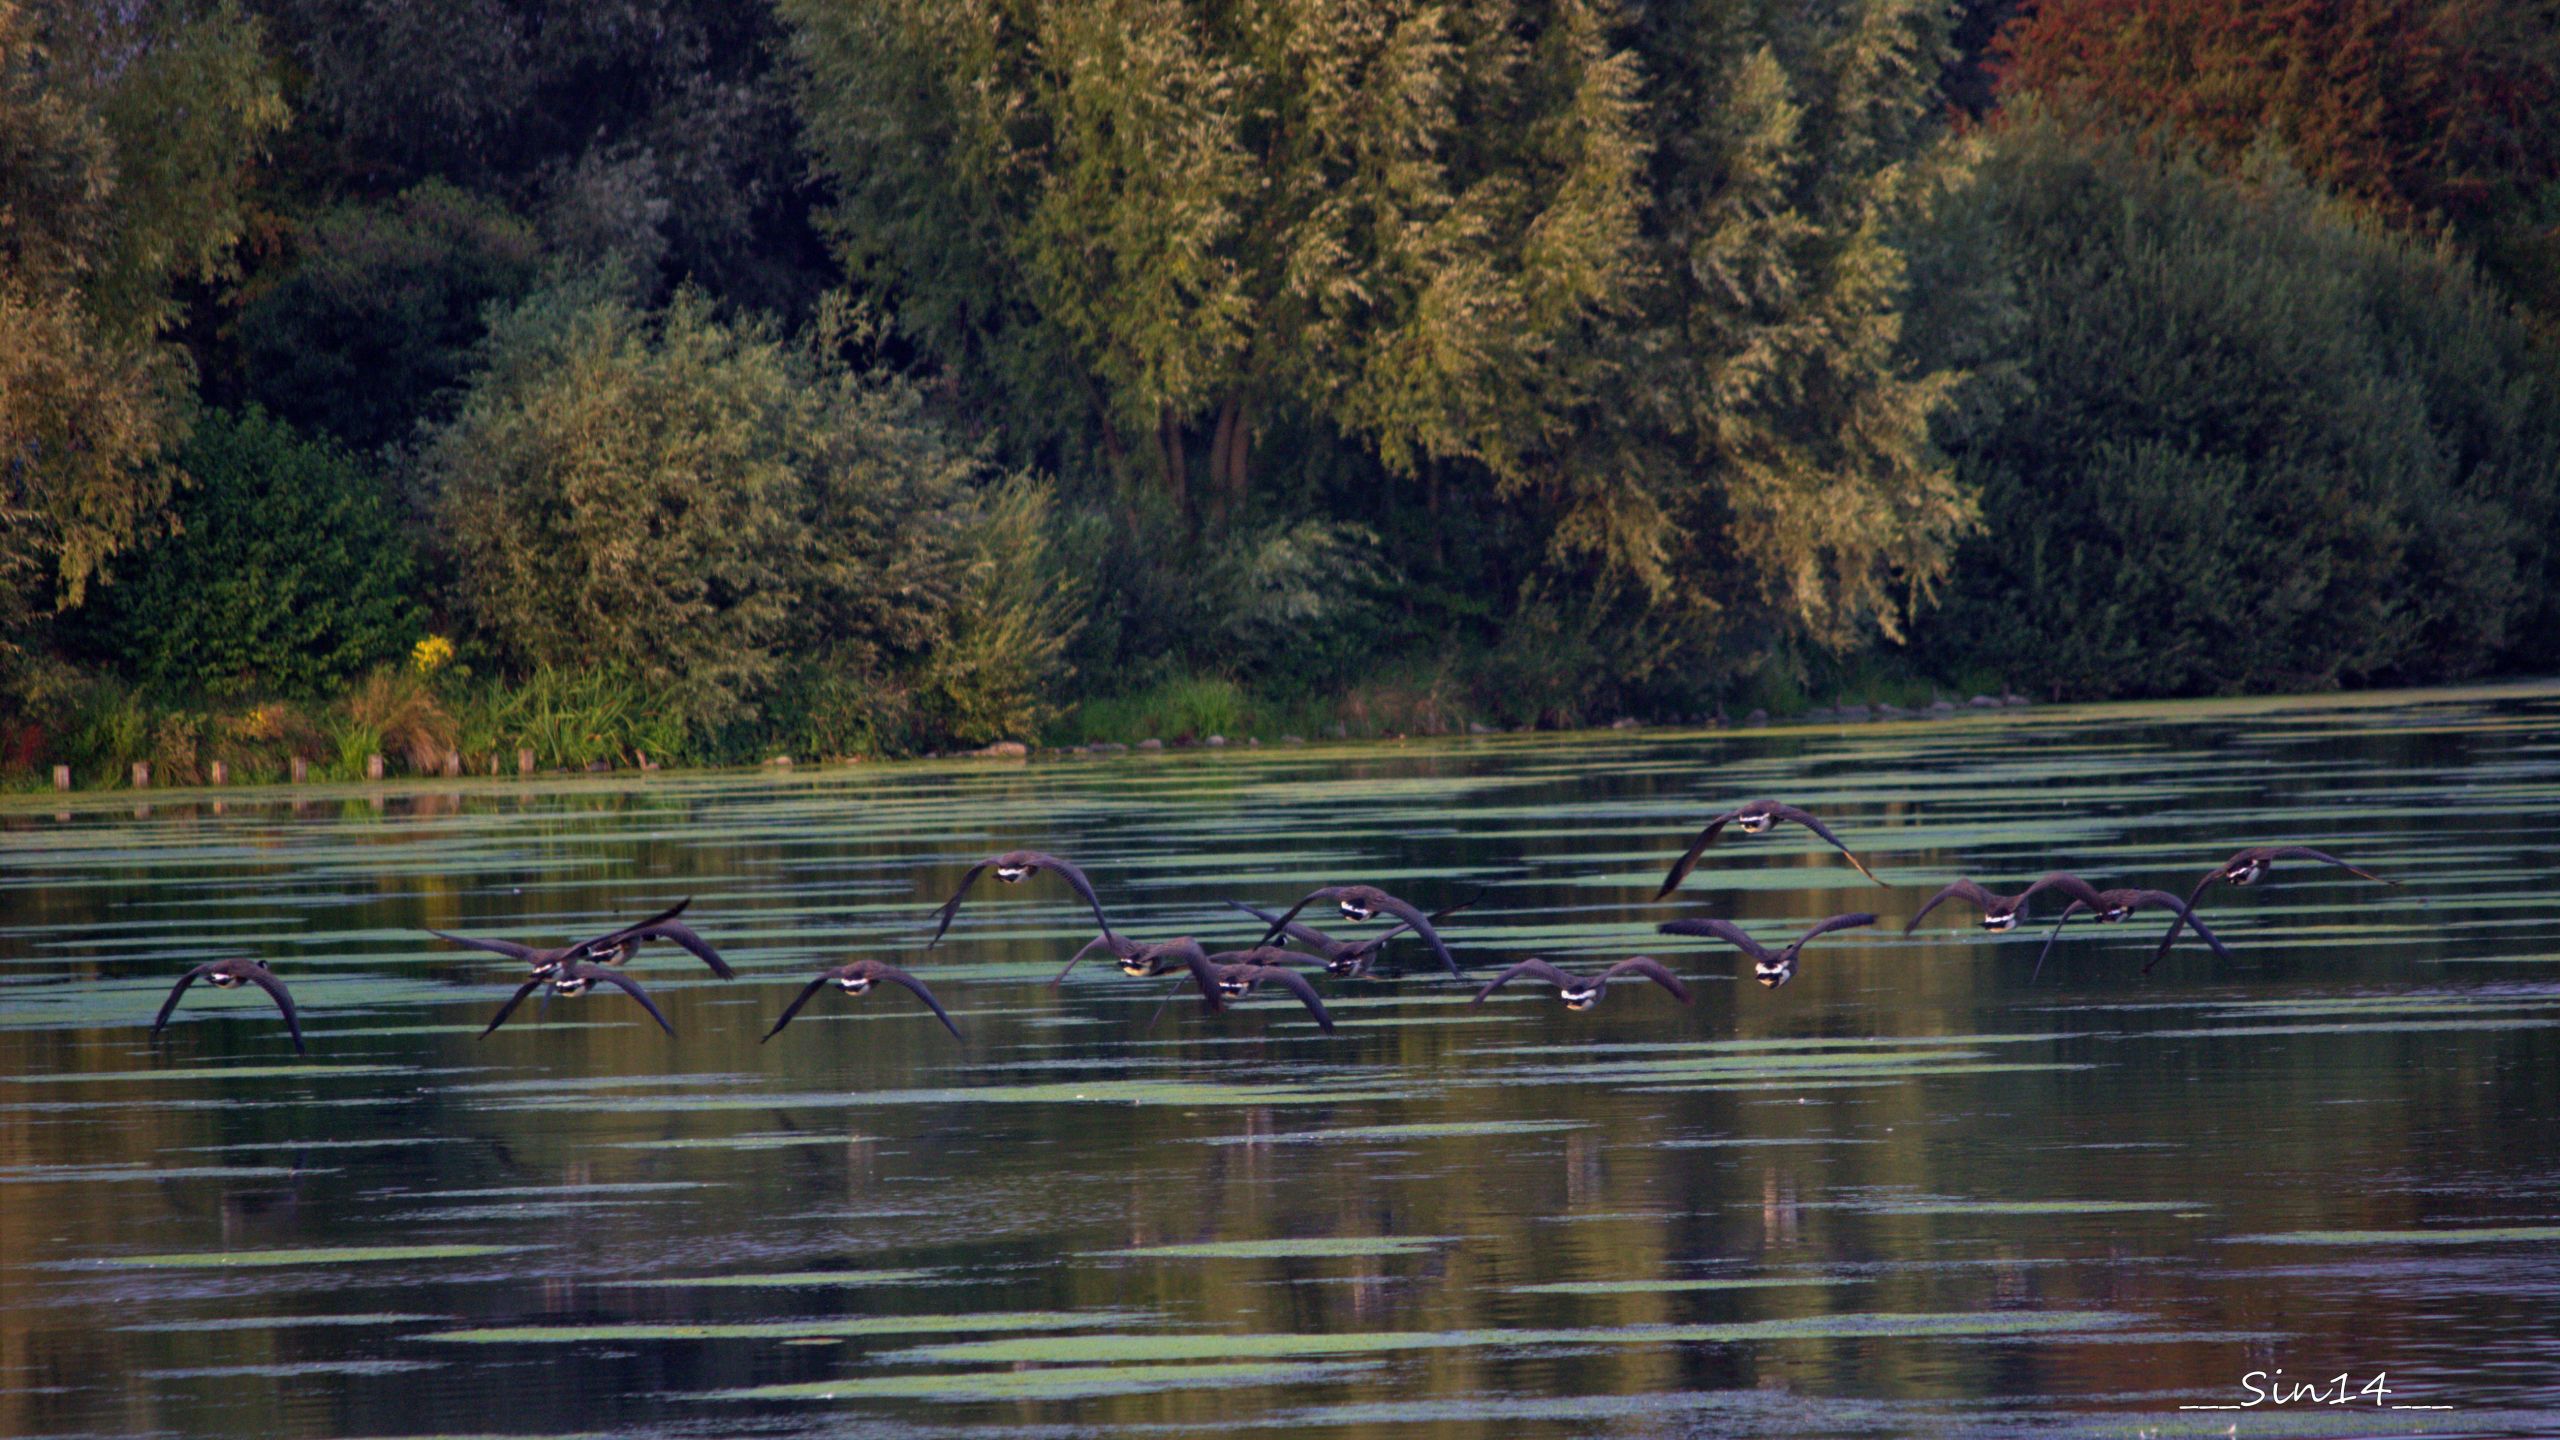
x=1910 y=1193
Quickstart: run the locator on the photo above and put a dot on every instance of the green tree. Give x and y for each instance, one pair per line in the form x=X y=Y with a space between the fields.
x=698 y=501
x=1789 y=485
x=2228 y=436
x=1132 y=228
x=1592 y=317
x=288 y=573
x=125 y=132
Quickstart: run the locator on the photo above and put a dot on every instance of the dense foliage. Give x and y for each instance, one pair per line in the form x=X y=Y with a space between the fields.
x=124 y=136
x=696 y=502
x=1613 y=299
x=370 y=325
x=702 y=381
x=2316 y=453
x=655 y=134
x=288 y=573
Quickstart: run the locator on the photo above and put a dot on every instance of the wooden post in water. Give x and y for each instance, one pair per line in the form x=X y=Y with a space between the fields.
x=141 y=774
x=221 y=772
x=297 y=769
x=61 y=777
x=453 y=762
x=373 y=767
x=524 y=761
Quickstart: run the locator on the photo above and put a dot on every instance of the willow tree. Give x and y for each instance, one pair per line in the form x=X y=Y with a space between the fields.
x=1788 y=477
x=1131 y=227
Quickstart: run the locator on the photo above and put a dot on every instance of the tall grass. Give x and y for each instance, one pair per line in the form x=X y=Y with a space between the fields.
x=570 y=719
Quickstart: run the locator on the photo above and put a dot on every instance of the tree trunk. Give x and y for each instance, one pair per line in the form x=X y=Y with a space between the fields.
x=1232 y=455
x=1431 y=507
x=1169 y=449
x=1218 y=445
x=1115 y=454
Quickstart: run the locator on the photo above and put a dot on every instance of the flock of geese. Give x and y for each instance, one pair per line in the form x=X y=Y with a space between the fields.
x=1225 y=976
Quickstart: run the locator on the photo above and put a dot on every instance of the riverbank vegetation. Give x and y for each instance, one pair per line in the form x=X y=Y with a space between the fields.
x=707 y=382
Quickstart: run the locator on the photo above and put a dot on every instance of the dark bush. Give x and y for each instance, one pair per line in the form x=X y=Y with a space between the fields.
x=2227 y=436
x=373 y=321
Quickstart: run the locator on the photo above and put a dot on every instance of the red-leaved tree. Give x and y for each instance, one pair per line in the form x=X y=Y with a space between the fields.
x=2424 y=111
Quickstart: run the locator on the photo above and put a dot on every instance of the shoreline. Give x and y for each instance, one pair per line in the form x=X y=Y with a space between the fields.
x=269 y=793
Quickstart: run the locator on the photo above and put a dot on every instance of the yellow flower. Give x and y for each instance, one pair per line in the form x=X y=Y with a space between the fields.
x=260 y=722
x=431 y=654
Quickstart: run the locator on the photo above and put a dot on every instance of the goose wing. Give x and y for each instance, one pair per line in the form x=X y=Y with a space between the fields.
x=265 y=980
x=684 y=935
x=1860 y=920
x=612 y=938
x=896 y=976
x=2064 y=882
x=1688 y=861
x=1113 y=942
x=508 y=948
x=1807 y=819
x=2074 y=908
x=951 y=906
x=1076 y=881
x=1724 y=930
x=1420 y=924
x=1534 y=969
x=170 y=1005
x=2186 y=917
x=1964 y=890
x=632 y=988
x=509 y=1008
x=807 y=993
x=1303 y=934
x=2305 y=852
x=1296 y=984
x=1281 y=925
x=1651 y=969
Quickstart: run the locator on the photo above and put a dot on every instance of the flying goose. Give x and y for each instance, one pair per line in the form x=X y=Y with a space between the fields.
x=2111 y=906
x=1581 y=992
x=1360 y=902
x=225 y=974
x=857 y=979
x=1233 y=974
x=1013 y=867
x=576 y=977
x=612 y=948
x=1771 y=968
x=1755 y=818
x=2000 y=912
x=2246 y=868
x=1342 y=958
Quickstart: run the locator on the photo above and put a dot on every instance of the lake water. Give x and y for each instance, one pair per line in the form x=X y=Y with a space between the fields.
x=1910 y=1193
